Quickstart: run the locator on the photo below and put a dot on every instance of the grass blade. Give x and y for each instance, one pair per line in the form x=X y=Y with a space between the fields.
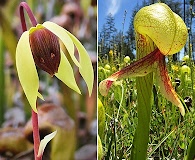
x=158 y=145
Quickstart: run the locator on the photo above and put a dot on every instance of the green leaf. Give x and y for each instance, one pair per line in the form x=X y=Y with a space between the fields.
x=100 y=149
x=141 y=137
x=101 y=119
x=191 y=150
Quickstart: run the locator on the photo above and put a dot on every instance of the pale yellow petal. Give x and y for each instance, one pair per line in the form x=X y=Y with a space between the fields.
x=66 y=74
x=27 y=72
x=40 y=96
x=85 y=68
x=61 y=33
x=44 y=142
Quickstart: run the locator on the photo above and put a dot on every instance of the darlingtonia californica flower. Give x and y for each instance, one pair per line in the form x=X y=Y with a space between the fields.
x=40 y=46
x=157 y=27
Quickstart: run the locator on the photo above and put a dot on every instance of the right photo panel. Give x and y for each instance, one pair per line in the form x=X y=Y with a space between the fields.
x=146 y=82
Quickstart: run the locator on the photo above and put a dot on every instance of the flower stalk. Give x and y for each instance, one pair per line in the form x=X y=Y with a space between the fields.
x=36 y=136
x=35 y=125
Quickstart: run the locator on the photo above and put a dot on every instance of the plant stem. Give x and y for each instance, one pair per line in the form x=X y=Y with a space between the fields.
x=144 y=89
x=36 y=136
x=24 y=5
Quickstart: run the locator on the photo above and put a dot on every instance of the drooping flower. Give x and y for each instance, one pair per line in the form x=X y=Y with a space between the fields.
x=155 y=24
x=39 y=46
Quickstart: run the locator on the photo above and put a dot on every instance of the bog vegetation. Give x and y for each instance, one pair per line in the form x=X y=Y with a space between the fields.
x=170 y=134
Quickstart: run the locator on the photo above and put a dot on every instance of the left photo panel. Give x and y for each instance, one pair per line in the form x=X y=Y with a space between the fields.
x=48 y=80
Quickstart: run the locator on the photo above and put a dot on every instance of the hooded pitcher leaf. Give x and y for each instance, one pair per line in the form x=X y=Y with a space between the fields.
x=167 y=31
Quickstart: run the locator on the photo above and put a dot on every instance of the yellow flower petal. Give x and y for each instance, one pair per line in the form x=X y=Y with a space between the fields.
x=86 y=68
x=61 y=33
x=44 y=142
x=40 y=96
x=65 y=73
x=27 y=72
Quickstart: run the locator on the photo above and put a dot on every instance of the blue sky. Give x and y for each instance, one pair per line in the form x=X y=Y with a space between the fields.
x=117 y=9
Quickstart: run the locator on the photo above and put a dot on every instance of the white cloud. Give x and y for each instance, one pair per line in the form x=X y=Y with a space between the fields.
x=113 y=6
